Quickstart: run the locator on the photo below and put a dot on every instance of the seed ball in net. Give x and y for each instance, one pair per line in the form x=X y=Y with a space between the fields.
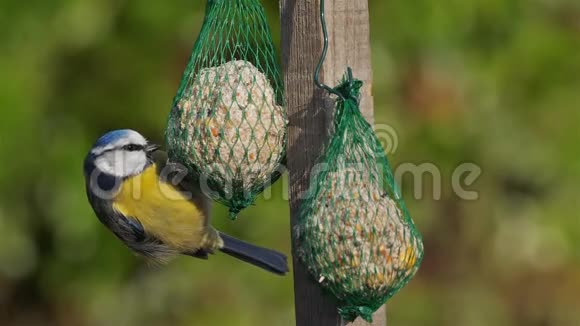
x=235 y=131
x=360 y=235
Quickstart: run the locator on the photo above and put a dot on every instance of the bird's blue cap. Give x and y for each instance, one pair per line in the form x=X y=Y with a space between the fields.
x=113 y=136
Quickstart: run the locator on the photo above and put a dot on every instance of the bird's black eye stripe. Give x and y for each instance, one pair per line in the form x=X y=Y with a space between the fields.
x=133 y=147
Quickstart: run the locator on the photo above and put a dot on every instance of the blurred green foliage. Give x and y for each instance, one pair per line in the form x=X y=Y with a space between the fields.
x=493 y=82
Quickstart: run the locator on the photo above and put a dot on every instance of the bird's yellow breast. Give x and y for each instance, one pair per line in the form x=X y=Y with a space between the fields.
x=164 y=211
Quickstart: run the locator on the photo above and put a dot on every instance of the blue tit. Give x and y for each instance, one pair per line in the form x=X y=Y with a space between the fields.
x=130 y=188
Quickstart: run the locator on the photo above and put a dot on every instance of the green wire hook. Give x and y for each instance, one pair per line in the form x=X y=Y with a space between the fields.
x=323 y=57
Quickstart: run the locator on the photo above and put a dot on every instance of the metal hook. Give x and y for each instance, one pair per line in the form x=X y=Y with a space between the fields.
x=323 y=57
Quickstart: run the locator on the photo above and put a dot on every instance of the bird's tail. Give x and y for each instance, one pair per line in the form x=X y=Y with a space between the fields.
x=270 y=260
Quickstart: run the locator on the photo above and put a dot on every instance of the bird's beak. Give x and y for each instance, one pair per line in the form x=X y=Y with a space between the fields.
x=150 y=148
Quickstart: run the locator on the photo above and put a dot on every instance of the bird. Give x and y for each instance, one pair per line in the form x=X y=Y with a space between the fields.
x=155 y=207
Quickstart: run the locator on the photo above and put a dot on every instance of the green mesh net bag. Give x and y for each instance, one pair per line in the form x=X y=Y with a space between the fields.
x=354 y=233
x=228 y=121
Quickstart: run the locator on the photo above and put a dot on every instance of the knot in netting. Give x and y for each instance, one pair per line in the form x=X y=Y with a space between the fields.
x=349 y=88
x=350 y=313
x=348 y=92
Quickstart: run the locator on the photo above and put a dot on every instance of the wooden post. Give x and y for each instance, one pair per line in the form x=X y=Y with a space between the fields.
x=310 y=112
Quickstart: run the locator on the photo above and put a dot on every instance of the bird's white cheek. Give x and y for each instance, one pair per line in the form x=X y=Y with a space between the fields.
x=122 y=164
x=134 y=163
x=105 y=165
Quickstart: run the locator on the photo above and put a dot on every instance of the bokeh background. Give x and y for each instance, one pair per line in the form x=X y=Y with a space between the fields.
x=492 y=82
